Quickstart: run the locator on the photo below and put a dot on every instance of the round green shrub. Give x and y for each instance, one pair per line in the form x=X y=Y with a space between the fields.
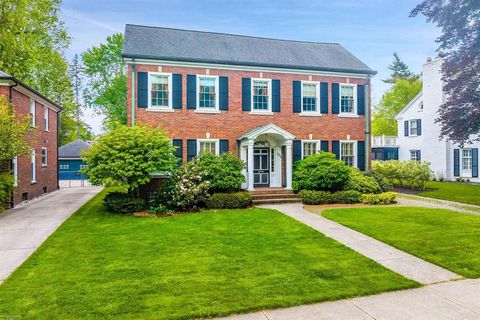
x=223 y=172
x=385 y=186
x=360 y=182
x=120 y=202
x=320 y=172
x=231 y=200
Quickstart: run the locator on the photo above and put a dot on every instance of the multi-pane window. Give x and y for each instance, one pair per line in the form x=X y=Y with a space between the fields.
x=160 y=90
x=467 y=160
x=272 y=160
x=347 y=99
x=261 y=95
x=83 y=166
x=309 y=97
x=413 y=128
x=309 y=148
x=45 y=118
x=32 y=112
x=64 y=167
x=44 y=157
x=207 y=146
x=414 y=155
x=347 y=153
x=207 y=92
x=33 y=169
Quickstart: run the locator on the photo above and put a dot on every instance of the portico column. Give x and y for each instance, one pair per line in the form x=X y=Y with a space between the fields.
x=250 y=164
x=288 y=164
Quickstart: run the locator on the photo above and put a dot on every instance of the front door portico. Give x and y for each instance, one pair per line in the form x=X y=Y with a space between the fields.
x=261 y=150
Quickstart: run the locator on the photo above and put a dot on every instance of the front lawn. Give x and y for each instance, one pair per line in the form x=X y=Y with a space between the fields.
x=98 y=265
x=453 y=191
x=446 y=238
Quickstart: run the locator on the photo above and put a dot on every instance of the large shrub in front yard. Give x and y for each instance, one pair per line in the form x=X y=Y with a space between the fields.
x=407 y=174
x=6 y=188
x=223 y=172
x=362 y=183
x=321 y=171
x=127 y=156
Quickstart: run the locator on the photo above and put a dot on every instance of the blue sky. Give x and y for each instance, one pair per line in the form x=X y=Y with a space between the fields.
x=371 y=29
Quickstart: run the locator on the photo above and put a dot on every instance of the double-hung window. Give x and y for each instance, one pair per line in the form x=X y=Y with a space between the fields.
x=45 y=118
x=309 y=148
x=414 y=155
x=160 y=90
x=348 y=99
x=413 y=125
x=44 y=157
x=64 y=167
x=466 y=162
x=347 y=152
x=33 y=112
x=210 y=146
x=207 y=93
x=261 y=97
x=310 y=97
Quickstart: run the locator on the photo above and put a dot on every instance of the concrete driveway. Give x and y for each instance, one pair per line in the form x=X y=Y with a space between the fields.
x=24 y=228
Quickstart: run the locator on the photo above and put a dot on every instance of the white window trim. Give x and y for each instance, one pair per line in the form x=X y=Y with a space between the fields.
x=413 y=150
x=46 y=157
x=64 y=167
x=410 y=127
x=217 y=95
x=15 y=171
x=33 y=161
x=33 y=112
x=355 y=101
x=466 y=173
x=170 y=92
x=217 y=145
x=46 y=118
x=310 y=141
x=355 y=151
x=264 y=112
x=317 y=106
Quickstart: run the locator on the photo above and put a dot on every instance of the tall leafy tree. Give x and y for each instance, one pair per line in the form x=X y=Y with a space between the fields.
x=76 y=73
x=399 y=70
x=393 y=101
x=107 y=80
x=459 y=42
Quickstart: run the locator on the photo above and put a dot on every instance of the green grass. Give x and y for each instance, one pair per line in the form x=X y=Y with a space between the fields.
x=100 y=266
x=459 y=192
x=446 y=238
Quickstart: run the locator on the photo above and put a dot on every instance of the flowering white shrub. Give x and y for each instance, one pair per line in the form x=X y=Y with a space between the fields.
x=189 y=189
x=409 y=174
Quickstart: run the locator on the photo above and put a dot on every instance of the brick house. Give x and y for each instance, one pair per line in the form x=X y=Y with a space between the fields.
x=37 y=173
x=271 y=102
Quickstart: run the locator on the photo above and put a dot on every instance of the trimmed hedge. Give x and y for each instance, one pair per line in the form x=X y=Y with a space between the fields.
x=362 y=183
x=323 y=197
x=232 y=200
x=381 y=198
x=120 y=202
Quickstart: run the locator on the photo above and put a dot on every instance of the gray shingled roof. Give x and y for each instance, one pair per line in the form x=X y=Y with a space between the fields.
x=143 y=42
x=73 y=149
x=3 y=74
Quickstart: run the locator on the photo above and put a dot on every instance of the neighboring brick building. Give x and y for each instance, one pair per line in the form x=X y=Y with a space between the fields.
x=269 y=101
x=37 y=173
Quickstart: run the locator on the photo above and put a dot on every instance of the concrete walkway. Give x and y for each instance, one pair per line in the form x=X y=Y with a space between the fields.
x=418 y=201
x=396 y=260
x=456 y=300
x=24 y=228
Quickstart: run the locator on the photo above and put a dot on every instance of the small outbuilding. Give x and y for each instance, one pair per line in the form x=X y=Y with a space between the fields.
x=70 y=160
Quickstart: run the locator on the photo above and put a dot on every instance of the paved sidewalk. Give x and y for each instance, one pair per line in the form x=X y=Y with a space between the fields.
x=456 y=300
x=418 y=201
x=24 y=228
x=396 y=260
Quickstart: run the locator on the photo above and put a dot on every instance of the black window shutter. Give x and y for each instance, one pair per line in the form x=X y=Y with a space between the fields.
x=405 y=128
x=324 y=145
x=297 y=150
x=475 y=163
x=246 y=94
x=297 y=96
x=419 y=127
x=324 y=97
x=178 y=144
x=276 y=95
x=191 y=91
x=361 y=155
x=223 y=94
x=361 y=99
x=335 y=98
x=191 y=149
x=223 y=146
x=177 y=91
x=419 y=155
x=456 y=162
x=142 y=89
x=336 y=148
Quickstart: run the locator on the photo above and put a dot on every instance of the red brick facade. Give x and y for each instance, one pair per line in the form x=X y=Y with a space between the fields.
x=187 y=124
x=46 y=175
